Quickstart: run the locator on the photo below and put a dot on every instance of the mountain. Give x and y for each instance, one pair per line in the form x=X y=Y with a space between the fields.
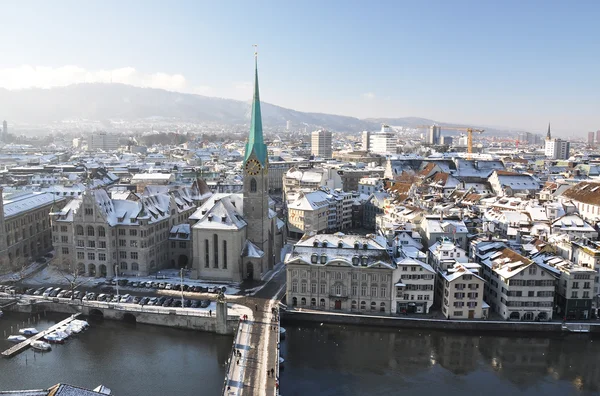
x=120 y=101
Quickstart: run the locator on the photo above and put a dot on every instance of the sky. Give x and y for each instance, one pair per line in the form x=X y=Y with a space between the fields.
x=514 y=64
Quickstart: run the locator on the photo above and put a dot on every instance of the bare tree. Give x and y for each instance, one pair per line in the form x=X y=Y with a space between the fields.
x=72 y=274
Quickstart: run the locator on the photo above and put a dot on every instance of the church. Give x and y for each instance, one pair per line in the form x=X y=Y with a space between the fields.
x=238 y=236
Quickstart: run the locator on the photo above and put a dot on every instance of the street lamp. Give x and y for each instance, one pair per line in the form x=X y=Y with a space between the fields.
x=117 y=278
x=181 y=286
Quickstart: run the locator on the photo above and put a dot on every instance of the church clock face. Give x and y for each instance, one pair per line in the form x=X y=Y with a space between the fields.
x=253 y=167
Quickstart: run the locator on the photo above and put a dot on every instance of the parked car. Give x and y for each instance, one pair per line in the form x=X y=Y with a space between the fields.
x=77 y=295
x=168 y=302
x=154 y=285
x=116 y=298
x=125 y=298
x=195 y=304
x=186 y=287
x=168 y=286
x=161 y=285
x=41 y=260
x=148 y=285
x=177 y=303
x=68 y=294
x=47 y=292
x=122 y=282
x=101 y=297
x=187 y=303
x=205 y=303
x=136 y=300
x=62 y=294
x=144 y=300
x=29 y=291
x=55 y=292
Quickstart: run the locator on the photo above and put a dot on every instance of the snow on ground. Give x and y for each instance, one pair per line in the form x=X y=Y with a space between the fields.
x=51 y=275
x=17 y=276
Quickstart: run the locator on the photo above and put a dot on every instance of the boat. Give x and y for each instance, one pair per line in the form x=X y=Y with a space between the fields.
x=281 y=361
x=41 y=346
x=29 y=331
x=16 y=338
x=282 y=333
x=1 y=313
x=54 y=338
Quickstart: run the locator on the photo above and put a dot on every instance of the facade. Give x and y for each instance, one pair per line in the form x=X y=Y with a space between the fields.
x=277 y=170
x=557 y=149
x=585 y=196
x=413 y=286
x=25 y=223
x=590 y=140
x=436 y=228
x=433 y=136
x=337 y=272
x=141 y=180
x=238 y=236
x=321 y=144
x=507 y=184
x=462 y=294
x=366 y=141
x=98 y=236
x=103 y=141
x=383 y=142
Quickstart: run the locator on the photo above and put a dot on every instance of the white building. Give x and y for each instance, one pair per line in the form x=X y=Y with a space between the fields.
x=383 y=142
x=103 y=141
x=321 y=144
x=369 y=185
x=557 y=149
x=414 y=286
x=462 y=293
x=586 y=197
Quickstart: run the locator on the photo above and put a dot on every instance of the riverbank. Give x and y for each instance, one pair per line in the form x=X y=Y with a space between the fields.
x=295 y=316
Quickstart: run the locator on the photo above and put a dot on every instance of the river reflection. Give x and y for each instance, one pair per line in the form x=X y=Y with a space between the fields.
x=342 y=360
x=128 y=358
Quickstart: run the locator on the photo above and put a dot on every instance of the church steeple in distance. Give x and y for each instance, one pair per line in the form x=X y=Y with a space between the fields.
x=256 y=143
x=548 y=135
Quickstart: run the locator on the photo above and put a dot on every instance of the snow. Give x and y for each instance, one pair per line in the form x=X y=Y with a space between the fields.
x=52 y=276
x=15 y=204
x=251 y=250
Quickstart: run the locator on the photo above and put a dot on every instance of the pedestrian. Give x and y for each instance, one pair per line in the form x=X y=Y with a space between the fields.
x=238 y=361
x=239 y=354
x=236 y=353
x=268 y=372
x=256 y=307
x=272 y=372
x=210 y=312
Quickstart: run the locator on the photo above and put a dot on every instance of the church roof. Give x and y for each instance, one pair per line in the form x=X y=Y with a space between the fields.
x=255 y=142
x=251 y=250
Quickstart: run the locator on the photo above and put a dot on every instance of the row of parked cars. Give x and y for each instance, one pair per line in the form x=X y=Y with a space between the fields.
x=163 y=301
x=163 y=286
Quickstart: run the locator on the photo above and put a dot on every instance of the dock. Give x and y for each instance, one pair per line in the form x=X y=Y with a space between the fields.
x=25 y=344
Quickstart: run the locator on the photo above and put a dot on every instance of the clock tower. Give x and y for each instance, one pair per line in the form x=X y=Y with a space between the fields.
x=256 y=196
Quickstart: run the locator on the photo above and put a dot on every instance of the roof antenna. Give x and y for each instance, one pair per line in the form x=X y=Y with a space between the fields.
x=255 y=50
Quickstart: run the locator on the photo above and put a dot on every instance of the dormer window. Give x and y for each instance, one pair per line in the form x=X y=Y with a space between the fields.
x=356 y=245
x=363 y=260
x=365 y=246
x=324 y=244
x=316 y=243
x=314 y=258
x=340 y=244
x=323 y=258
x=224 y=219
x=355 y=260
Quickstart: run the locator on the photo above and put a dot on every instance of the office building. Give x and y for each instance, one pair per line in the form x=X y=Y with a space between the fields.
x=590 y=138
x=433 y=135
x=321 y=144
x=103 y=141
x=384 y=141
x=366 y=140
x=557 y=149
x=4 y=130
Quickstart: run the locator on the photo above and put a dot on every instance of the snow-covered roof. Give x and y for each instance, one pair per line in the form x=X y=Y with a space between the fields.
x=251 y=250
x=15 y=204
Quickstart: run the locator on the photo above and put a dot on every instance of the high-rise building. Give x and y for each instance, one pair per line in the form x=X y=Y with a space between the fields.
x=590 y=138
x=384 y=141
x=366 y=140
x=103 y=141
x=4 y=130
x=557 y=149
x=288 y=125
x=598 y=136
x=321 y=144
x=433 y=135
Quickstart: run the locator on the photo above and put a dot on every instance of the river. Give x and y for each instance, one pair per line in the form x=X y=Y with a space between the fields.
x=351 y=361
x=131 y=359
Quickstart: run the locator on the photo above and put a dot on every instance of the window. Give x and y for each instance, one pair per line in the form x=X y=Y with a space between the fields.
x=102 y=256
x=383 y=292
x=354 y=290
x=313 y=288
x=103 y=244
x=458 y=313
x=373 y=291
x=90 y=231
x=101 y=231
x=121 y=232
x=216 y=250
x=123 y=255
x=123 y=265
x=63 y=228
x=64 y=239
x=91 y=256
x=303 y=287
x=295 y=287
x=224 y=254
x=363 y=290
x=183 y=245
x=322 y=303
x=122 y=242
x=134 y=255
x=80 y=255
x=89 y=211
x=80 y=243
x=133 y=243
x=459 y=304
x=253 y=185
x=323 y=288
x=206 y=253
x=586 y=294
x=92 y=244
x=79 y=230
x=135 y=267
x=573 y=294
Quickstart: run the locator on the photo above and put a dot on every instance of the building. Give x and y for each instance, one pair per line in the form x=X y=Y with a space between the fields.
x=436 y=228
x=319 y=211
x=103 y=141
x=321 y=144
x=574 y=225
x=557 y=149
x=598 y=136
x=585 y=196
x=508 y=184
x=433 y=135
x=591 y=139
x=277 y=171
x=462 y=294
x=413 y=286
x=25 y=226
x=4 y=130
x=384 y=141
x=369 y=185
x=338 y=272
x=142 y=180
x=96 y=235
x=517 y=288
x=288 y=124
x=238 y=236
x=366 y=141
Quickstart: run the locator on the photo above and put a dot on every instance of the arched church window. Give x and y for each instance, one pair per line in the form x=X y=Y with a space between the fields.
x=253 y=185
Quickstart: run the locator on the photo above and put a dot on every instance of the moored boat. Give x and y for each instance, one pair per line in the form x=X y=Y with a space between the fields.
x=281 y=361
x=54 y=338
x=16 y=338
x=41 y=346
x=29 y=331
x=282 y=333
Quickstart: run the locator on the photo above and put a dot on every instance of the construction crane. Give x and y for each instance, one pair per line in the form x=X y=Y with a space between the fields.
x=469 y=131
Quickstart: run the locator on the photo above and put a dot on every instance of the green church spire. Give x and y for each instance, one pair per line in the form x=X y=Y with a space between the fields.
x=256 y=142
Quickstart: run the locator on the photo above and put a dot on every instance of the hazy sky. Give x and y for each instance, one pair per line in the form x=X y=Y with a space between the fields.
x=505 y=63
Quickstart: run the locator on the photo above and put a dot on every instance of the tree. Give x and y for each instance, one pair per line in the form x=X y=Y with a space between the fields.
x=72 y=274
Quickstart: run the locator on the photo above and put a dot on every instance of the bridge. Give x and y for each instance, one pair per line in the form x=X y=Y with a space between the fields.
x=25 y=344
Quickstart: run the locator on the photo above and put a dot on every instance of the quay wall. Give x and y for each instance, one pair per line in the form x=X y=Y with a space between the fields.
x=439 y=324
x=167 y=318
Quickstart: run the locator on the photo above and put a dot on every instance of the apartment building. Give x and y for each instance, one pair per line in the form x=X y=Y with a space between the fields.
x=338 y=272
x=321 y=144
x=585 y=196
x=462 y=294
x=436 y=228
x=97 y=236
x=517 y=288
x=414 y=286
x=25 y=224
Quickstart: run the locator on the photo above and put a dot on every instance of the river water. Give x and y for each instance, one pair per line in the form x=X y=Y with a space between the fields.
x=131 y=359
x=351 y=361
